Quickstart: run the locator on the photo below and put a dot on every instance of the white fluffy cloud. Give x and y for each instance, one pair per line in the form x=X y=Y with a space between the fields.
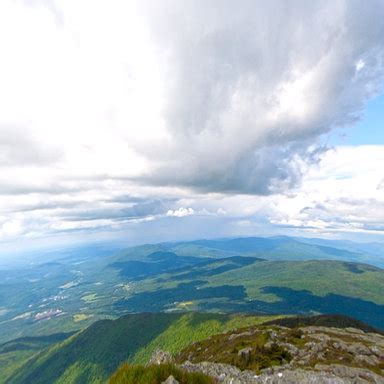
x=122 y=112
x=181 y=212
x=250 y=88
x=342 y=194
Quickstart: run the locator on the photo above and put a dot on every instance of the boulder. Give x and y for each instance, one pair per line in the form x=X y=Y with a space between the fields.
x=170 y=380
x=245 y=352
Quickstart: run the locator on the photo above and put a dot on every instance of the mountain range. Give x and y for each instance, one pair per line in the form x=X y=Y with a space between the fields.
x=50 y=311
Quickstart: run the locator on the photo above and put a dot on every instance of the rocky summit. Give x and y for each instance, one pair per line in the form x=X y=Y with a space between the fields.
x=281 y=355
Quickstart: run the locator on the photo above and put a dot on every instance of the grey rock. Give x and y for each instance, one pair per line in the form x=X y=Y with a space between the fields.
x=355 y=330
x=377 y=352
x=236 y=335
x=354 y=375
x=245 y=352
x=363 y=354
x=217 y=370
x=371 y=360
x=292 y=349
x=160 y=357
x=228 y=374
x=170 y=380
x=301 y=376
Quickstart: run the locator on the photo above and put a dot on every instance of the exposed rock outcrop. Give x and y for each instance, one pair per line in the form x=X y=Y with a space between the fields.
x=160 y=357
x=280 y=355
x=334 y=374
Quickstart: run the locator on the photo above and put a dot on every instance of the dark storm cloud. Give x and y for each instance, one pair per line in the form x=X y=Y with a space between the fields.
x=136 y=211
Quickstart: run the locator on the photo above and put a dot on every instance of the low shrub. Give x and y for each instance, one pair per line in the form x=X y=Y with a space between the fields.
x=156 y=374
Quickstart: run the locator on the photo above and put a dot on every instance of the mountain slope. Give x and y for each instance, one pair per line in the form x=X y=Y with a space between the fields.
x=92 y=355
x=318 y=349
x=15 y=353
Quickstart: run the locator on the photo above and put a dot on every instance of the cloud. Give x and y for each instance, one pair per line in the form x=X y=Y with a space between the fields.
x=37 y=215
x=181 y=212
x=250 y=88
x=128 y=114
x=205 y=95
x=339 y=194
x=134 y=211
x=17 y=147
x=51 y=6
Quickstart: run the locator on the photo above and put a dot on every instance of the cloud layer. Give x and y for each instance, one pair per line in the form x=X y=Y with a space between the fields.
x=132 y=114
x=250 y=89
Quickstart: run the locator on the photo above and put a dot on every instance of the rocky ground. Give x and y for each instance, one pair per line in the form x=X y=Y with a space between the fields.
x=280 y=355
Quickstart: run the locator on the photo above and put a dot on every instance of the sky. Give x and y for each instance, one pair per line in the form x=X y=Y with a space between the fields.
x=145 y=121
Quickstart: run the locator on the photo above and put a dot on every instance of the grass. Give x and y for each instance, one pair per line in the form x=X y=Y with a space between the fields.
x=156 y=374
x=245 y=348
x=193 y=327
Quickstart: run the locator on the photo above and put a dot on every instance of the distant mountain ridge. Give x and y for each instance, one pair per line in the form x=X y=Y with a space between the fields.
x=263 y=275
x=277 y=247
